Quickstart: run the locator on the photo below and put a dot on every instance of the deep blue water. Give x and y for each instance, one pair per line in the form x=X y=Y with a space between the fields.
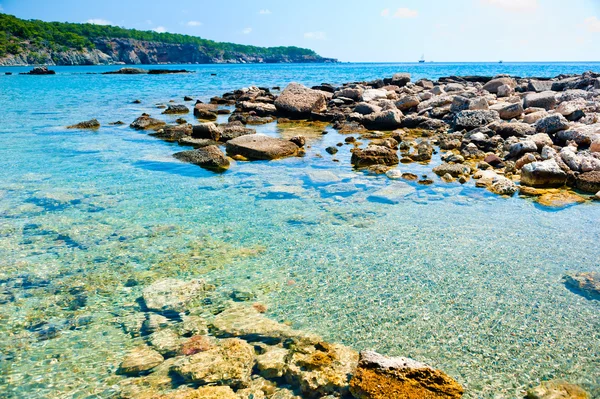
x=451 y=275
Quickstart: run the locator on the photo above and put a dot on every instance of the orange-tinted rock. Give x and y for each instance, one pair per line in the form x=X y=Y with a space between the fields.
x=380 y=377
x=557 y=389
x=589 y=282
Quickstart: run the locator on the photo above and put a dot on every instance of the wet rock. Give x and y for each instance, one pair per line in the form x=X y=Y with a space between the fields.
x=504 y=186
x=249 y=324
x=232 y=130
x=173 y=133
x=258 y=146
x=543 y=174
x=300 y=141
x=154 y=322
x=242 y=295
x=560 y=199
x=207 y=130
x=196 y=143
x=546 y=100
x=588 y=182
x=209 y=157
x=193 y=325
x=230 y=363
x=126 y=71
x=494 y=160
x=39 y=71
x=173 y=109
x=298 y=100
x=139 y=361
x=174 y=296
x=208 y=392
x=91 y=124
x=455 y=170
x=472 y=119
x=321 y=369
x=197 y=344
x=588 y=282
x=493 y=85
x=379 y=377
x=272 y=363
x=374 y=155
x=331 y=150
x=205 y=111
x=407 y=102
x=524 y=160
x=424 y=152
x=145 y=122
x=384 y=120
x=166 y=342
x=552 y=124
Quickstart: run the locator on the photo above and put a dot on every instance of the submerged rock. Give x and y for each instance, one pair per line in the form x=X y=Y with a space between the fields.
x=139 y=361
x=91 y=124
x=209 y=157
x=374 y=155
x=259 y=146
x=145 y=122
x=380 y=377
x=230 y=363
x=561 y=199
x=174 y=296
x=176 y=109
x=588 y=282
x=557 y=389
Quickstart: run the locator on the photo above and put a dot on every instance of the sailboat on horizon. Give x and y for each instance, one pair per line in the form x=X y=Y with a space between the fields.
x=422 y=60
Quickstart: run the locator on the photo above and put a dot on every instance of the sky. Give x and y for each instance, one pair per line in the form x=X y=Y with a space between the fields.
x=358 y=30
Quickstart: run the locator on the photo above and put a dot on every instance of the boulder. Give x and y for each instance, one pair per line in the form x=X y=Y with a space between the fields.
x=259 y=146
x=561 y=199
x=407 y=102
x=552 y=124
x=543 y=174
x=140 y=361
x=209 y=157
x=470 y=120
x=366 y=108
x=533 y=117
x=380 y=377
x=587 y=282
x=206 y=111
x=272 y=363
x=173 y=133
x=588 y=182
x=374 y=155
x=539 y=85
x=454 y=170
x=145 y=122
x=354 y=94
x=546 y=100
x=259 y=108
x=176 y=109
x=384 y=120
x=400 y=79
x=503 y=186
x=493 y=85
x=298 y=100
x=166 y=342
x=174 y=296
x=91 y=124
x=232 y=130
x=207 y=130
x=541 y=140
x=511 y=111
x=321 y=369
x=229 y=363
x=505 y=91
x=512 y=129
x=374 y=94
x=522 y=147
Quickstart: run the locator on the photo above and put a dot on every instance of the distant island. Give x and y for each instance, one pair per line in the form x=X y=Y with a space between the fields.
x=29 y=42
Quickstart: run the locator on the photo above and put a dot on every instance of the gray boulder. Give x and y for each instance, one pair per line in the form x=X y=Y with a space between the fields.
x=552 y=124
x=384 y=120
x=209 y=157
x=543 y=174
x=366 y=108
x=298 y=100
x=208 y=130
x=176 y=109
x=546 y=100
x=407 y=102
x=145 y=122
x=400 y=79
x=471 y=119
x=493 y=85
x=522 y=147
x=539 y=85
x=259 y=146
x=511 y=111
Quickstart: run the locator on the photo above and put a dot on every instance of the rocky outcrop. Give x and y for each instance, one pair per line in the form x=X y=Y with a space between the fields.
x=139 y=361
x=298 y=101
x=259 y=146
x=374 y=155
x=209 y=157
x=91 y=124
x=380 y=377
x=588 y=282
x=543 y=174
x=145 y=122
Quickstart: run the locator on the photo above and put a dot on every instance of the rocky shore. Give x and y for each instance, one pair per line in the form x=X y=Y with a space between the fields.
x=533 y=136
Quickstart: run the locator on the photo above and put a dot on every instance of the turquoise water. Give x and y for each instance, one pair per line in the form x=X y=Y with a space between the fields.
x=451 y=275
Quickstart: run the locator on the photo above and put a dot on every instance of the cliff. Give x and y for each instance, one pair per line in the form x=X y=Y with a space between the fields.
x=24 y=42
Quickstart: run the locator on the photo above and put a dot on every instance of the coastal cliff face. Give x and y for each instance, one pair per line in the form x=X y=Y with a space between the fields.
x=133 y=52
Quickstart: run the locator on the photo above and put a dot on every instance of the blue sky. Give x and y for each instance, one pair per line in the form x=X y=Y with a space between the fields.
x=358 y=30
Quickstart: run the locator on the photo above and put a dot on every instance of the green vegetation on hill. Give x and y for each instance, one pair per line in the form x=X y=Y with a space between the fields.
x=17 y=34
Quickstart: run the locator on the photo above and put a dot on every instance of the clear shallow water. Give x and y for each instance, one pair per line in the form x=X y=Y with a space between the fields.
x=452 y=275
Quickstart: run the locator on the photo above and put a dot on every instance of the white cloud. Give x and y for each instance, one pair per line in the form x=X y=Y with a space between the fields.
x=160 y=29
x=247 y=31
x=406 y=13
x=194 y=23
x=315 y=35
x=513 y=5
x=98 y=21
x=592 y=24
x=385 y=13
x=265 y=12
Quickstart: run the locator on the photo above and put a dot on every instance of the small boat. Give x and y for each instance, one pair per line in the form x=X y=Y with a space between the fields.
x=422 y=60
x=500 y=62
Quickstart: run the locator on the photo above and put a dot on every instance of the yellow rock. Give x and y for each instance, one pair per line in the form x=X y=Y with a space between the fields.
x=557 y=389
x=560 y=200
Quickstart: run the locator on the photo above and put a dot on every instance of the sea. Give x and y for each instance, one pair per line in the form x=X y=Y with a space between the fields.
x=450 y=275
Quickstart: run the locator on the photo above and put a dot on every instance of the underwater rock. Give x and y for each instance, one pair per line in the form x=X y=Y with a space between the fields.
x=166 y=342
x=173 y=109
x=392 y=194
x=321 y=369
x=91 y=124
x=210 y=392
x=272 y=363
x=561 y=199
x=230 y=363
x=380 y=377
x=588 y=282
x=174 y=296
x=139 y=361
x=259 y=146
x=193 y=325
x=197 y=344
x=557 y=389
